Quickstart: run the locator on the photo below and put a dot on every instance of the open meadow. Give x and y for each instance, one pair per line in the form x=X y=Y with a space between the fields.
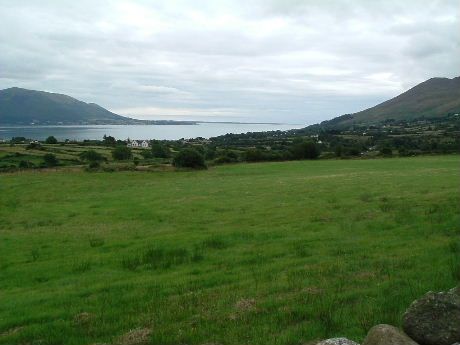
x=268 y=253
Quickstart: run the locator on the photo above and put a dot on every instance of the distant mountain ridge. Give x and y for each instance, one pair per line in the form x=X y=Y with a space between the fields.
x=23 y=107
x=435 y=97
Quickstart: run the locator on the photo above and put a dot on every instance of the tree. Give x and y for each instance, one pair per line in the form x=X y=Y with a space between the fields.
x=254 y=155
x=189 y=158
x=18 y=140
x=121 y=153
x=108 y=140
x=91 y=156
x=226 y=156
x=51 y=140
x=159 y=150
x=305 y=150
x=50 y=160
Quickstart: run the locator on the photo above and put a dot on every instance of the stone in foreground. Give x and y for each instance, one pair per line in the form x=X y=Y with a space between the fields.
x=434 y=319
x=387 y=335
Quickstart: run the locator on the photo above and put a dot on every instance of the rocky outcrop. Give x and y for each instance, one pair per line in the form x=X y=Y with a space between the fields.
x=434 y=319
x=387 y=335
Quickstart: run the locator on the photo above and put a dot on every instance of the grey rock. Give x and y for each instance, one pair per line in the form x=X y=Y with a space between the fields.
x=387 y=335
x=337 y=341
x=455 y=290
x=434 y=319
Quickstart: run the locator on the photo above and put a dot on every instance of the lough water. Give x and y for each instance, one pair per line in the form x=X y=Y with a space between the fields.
x=160 y=132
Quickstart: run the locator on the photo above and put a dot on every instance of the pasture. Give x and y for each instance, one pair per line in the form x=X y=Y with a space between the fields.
x=269 y=253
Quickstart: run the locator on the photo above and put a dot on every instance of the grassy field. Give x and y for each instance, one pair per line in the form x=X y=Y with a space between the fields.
x=68 y=155
x=273 y=253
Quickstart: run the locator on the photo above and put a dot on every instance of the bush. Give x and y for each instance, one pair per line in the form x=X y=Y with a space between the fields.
x=121 y=153
x=159 y=151
x=91 y=156
x=386 y=151
x=227 y=156
x=94 y=165
x=51 y=140
x=146 y=154
x=305 y=150
x=50 y=160
x=254 y=155
x=25 y=164
x=189 y=158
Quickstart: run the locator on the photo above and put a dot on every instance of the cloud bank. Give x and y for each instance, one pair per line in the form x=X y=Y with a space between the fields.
x=286 y=61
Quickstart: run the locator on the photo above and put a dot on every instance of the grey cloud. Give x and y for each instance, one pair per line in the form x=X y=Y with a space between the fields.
x=277 y=60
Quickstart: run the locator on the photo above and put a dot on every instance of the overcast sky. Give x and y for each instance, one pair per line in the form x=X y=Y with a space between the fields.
x=288 y=61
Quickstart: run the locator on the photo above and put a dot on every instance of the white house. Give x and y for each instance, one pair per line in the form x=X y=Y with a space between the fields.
x=138 y=143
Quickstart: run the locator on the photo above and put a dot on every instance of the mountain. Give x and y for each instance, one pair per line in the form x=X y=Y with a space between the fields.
x=22 y=107
x=435 y=97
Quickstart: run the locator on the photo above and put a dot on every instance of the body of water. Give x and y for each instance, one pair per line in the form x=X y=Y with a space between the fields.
x=163 y=132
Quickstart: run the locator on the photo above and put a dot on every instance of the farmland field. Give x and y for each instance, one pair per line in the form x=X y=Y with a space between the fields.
x=270 y=253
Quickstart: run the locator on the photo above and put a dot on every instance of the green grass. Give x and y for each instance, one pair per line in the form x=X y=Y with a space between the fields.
x=273 y=253
x=68 y=155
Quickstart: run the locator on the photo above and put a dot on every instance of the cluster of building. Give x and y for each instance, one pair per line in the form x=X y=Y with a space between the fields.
x=143 y=144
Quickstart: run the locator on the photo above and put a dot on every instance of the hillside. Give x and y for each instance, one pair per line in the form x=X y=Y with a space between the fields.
x=435 y=97
x=22 y=107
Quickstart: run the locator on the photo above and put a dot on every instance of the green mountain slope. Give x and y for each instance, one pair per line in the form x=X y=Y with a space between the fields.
x=22 y=106
x=436 y=97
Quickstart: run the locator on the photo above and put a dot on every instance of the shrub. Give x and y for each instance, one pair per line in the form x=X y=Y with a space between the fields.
x=51 y=140
x=386 y=151
x=93 y=165
x=146 y=154
x=25 y=164
x=50 y=160
x=159 y=151
x=121 y=153
x=189 y=158
x=305 y=150
x=91 y=156
x=254 y=155
x=227 y=156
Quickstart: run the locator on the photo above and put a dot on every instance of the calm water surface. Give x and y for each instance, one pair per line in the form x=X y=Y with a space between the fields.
x=164 y=132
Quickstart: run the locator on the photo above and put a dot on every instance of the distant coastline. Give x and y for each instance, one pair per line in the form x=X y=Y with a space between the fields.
x=138 y=131
x=138 y=123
